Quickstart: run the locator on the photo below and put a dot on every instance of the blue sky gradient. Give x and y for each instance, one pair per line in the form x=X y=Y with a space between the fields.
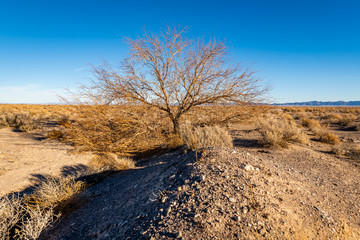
x=307 y=50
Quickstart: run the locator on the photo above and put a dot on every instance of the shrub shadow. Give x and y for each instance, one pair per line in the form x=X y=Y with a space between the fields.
x=248 y=143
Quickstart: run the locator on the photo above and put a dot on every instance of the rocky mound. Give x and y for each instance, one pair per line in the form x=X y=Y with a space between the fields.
x=220 y=194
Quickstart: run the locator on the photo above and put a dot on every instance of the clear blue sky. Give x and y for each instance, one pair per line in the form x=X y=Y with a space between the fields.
x=307 y=50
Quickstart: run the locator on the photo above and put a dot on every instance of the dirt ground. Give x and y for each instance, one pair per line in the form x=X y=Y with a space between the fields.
x=246 y=192
x=27 y=157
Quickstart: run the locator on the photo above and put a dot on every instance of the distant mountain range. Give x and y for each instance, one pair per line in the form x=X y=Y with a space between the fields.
x=319 y=103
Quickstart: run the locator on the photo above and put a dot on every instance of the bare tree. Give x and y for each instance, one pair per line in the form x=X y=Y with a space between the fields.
x=174 y=74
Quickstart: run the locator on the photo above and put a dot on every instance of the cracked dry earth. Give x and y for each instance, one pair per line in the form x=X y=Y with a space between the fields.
x=238 y=193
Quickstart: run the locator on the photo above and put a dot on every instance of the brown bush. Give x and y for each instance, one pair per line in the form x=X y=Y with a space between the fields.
x=279 y=132
x=333 y=118
x=310 y=123
x=11 y=212
x=110 y=161
x=339 y=150
x=197 y=137
x=23 y=122
x=55 y=134
x=347 y=119
x=36 y=221
x=53 y=191
x=349 y=151
x=354 y=152
x=325 y=136
x=121 y=130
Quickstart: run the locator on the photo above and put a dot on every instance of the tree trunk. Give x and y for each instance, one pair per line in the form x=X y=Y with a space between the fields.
x=176 y=124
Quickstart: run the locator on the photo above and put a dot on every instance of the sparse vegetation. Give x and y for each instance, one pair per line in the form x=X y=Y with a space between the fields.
x=310 y=123
x=37 y=219
x=197 y=137
x=112 y=132
x=279 y=132
x=56 y=134
x=11 y=212
x=52 y=191
x=325 y=136
x=110 y=161
x=22 y=122
x=347 y=119
x=26 y=217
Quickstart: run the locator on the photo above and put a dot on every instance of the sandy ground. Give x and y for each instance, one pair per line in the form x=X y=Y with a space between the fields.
x=23 y=159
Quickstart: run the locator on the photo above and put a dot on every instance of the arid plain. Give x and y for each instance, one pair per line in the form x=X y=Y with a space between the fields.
x=231 y=173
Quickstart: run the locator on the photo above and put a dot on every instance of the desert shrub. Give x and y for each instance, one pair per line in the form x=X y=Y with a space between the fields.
x=3 y=120
x=339 y=150
x=36 y=221
x=11 y=212
x=347 y=119
x=110 y=161
x=333 y=118
x=122 y=130
x=197 y=137
x=310 y=123
x=26 y=218
x=325 y=136
x=280 y=132
x=53 y=191
x=354 y=152
x=349 y=151
x=174 y=141
x=22 y=122
x=55 y=134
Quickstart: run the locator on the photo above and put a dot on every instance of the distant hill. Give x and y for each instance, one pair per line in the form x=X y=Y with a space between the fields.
x=319 y=103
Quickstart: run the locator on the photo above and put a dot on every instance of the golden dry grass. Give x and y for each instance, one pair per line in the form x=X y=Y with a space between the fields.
x=11 y=212
x=347 y=119
x=52 y=191
x=310 y=123
x=325 y=136
x=36 y=221
x=110 y=161
x=26 y=217
x=197 y=137
x=278 y=132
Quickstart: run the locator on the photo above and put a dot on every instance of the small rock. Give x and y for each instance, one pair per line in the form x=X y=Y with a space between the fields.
x=248 y=167
x=179 y=189
x=233 y=200
x=163 y=199
x=237 y=218
x=244 y=210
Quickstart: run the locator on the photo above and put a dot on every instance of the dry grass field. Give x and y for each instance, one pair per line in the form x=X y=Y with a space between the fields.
x=231 y=172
